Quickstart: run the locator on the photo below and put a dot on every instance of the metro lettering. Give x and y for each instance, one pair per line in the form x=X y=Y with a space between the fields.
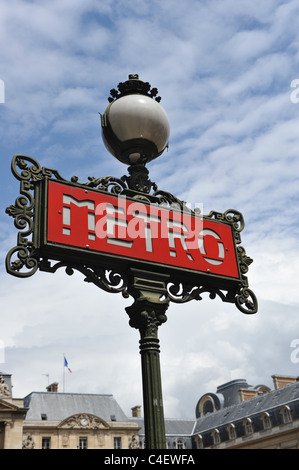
x=148 y=232
x=67 y=204
x=202 y=236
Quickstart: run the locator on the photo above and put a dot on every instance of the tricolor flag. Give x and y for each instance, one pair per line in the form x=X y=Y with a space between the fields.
x=66 y=364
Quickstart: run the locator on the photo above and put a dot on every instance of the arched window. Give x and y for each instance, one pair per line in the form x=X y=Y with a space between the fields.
x=286 y=414
x=216 y=437
x=231 y=431
x=266 y=420
x=199 y=441
x=180 y=444
x=206 y=405
x=248 y=427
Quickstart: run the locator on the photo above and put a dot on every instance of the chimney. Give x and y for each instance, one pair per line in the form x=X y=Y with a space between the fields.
x=53 y=387
x=282 y=380
x=136 y=411
x=248 y=393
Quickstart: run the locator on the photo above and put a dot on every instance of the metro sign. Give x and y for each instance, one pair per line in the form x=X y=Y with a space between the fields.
x=120 y=237
x=106 y=225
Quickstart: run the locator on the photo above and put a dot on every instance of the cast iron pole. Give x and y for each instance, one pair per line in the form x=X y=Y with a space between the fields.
x=147 y=314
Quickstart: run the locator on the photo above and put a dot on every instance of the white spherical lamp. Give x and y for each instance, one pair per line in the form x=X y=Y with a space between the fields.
x=135 y=127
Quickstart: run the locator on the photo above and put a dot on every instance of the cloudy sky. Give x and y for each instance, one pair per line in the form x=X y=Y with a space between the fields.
x=226 y=71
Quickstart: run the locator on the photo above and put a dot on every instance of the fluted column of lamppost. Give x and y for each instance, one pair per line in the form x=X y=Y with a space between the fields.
x=135 y=129
x=147 y=314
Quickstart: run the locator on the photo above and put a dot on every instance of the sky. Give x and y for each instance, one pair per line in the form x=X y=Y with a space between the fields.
x=228 y=75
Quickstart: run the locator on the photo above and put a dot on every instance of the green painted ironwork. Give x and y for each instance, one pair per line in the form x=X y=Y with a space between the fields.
x=151 y=287
x=29 y=254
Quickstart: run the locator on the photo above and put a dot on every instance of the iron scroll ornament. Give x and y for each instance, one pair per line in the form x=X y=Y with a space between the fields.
x=26 y=258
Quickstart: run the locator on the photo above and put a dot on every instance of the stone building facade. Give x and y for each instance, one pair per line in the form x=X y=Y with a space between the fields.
x=238 y=415
x=76 y=421
x=12 y=412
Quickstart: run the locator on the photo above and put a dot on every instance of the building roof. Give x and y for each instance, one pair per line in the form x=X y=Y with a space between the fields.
x=59 y=406
x=173 y=426
x=179 y=427
x=257 y=405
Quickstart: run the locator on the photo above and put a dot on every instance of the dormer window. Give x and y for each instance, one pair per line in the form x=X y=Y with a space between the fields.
x=180 y=444
x=206 y=405
x=216 y=437
x=199 y=441
x=266 y=421
x=286 y=414
x=247 y=423
x=231 y=431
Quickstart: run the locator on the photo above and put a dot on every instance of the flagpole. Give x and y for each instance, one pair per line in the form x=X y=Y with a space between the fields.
x=63 y=372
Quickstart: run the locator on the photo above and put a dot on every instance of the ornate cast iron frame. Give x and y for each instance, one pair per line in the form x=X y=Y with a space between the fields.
x=109 y=273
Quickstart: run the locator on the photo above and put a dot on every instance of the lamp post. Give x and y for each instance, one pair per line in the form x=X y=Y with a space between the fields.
x=72 y=225
x=135 y=130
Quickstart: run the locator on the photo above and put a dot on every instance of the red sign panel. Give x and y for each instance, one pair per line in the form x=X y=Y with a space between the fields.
x=108 y=224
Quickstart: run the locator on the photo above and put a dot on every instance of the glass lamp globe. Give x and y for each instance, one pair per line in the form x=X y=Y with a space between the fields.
x=135 y=128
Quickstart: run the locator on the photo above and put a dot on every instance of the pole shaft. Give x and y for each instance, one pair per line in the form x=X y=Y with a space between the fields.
x=146 y=314
x=152 y=393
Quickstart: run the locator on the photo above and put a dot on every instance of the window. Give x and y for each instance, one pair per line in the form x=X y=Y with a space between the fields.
x=82 y=443
x=207 y=404
x=286 y=414
x=208 y=407
x=46 y=443
x=199 y=441
x=117 y=443
x=247 y=423
x=180 y=444
x=216 y=437
x=231 y=432
x=266 y=420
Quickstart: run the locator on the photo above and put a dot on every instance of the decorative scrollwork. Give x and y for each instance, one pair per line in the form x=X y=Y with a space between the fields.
x=26 y=258
x=244 y=260
x=133 y=86
x=246 y=301
x=22 y=210
x=32 y=172
x=23 y=255
x=138 y=186
x=165 y=198
x=105 y=183
x=28 y=173
x=139 y=180
x=235 y=218
x=178 y=292
x=108 y=280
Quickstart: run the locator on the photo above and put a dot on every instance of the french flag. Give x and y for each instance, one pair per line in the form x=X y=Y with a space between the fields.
x=66 y=365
